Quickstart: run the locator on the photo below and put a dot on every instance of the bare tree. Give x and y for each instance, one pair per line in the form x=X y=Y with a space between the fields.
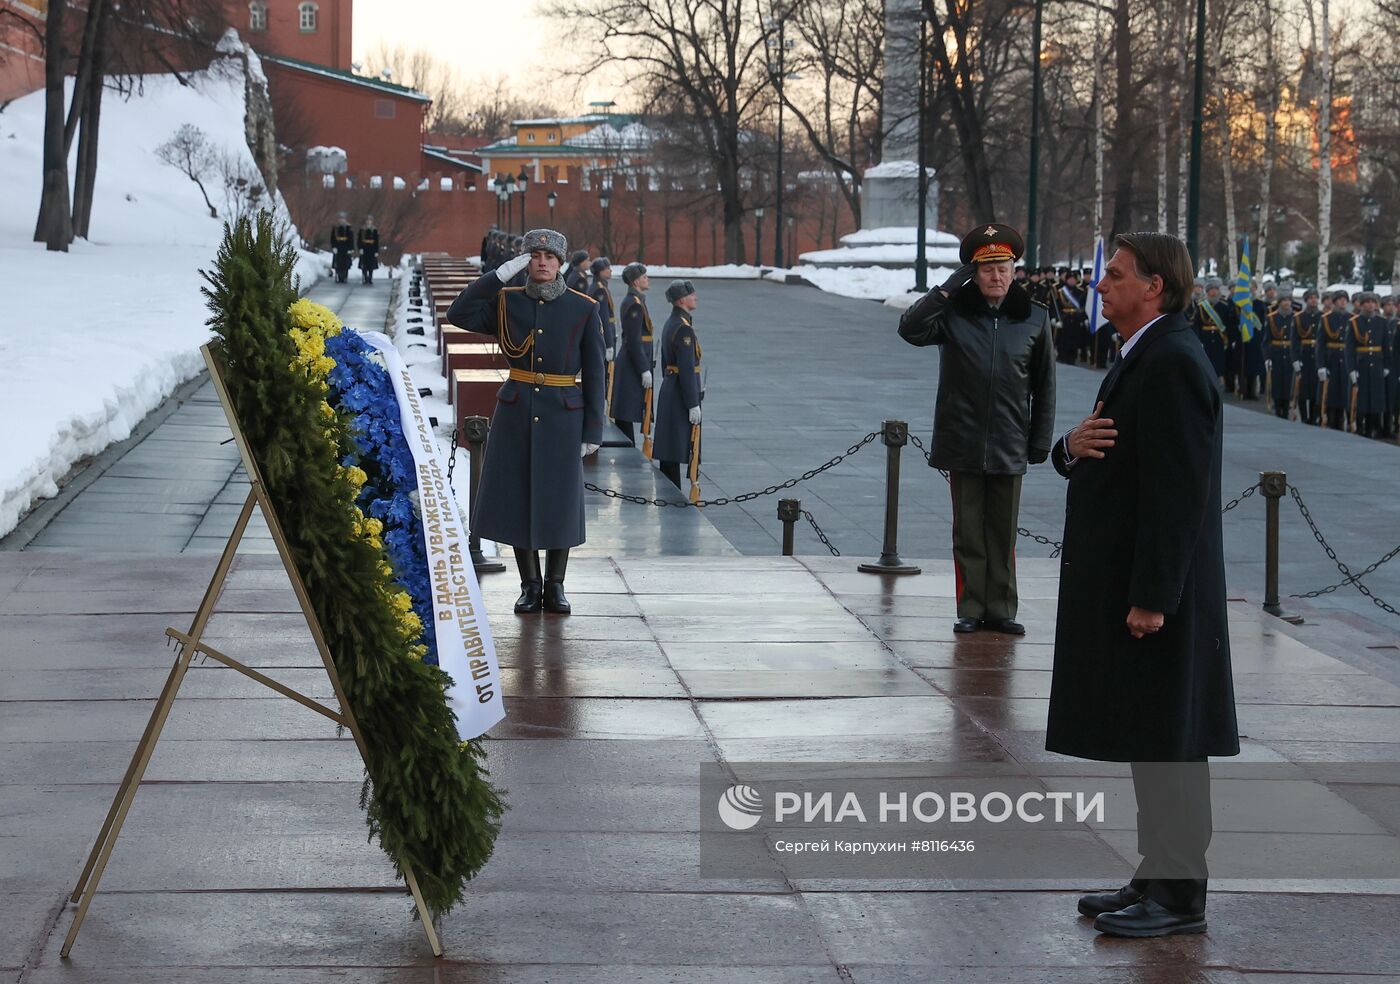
x=1324 y=136
x=439 y=80
x=190 y=153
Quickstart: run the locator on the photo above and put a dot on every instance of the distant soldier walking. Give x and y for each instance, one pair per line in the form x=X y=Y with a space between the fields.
x=342 y=247
x=635 y=359
x=368 y=243
x=678 y=404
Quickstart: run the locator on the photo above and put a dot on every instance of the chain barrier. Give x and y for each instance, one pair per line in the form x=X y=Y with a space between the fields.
x=642 y=500
x=820 y=534
x=1350 y=578
x=452 y=458
x=1240 y=498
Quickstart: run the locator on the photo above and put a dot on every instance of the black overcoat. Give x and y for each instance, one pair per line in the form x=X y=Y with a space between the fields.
x=368 y=241
x=636 y=357
x=531 y=492
x=1143 y=527
x=680 y=388
x=342 y=246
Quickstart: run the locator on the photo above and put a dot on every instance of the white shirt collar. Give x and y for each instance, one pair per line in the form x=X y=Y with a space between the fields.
x=1128 y=345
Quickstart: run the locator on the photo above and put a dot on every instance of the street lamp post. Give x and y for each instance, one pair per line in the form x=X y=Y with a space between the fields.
x=1193 y=194
x=921 y=240
x=553 y=199
x=780 y=77
x=604 y=200
x=792 y=237
x=1032 y=233
x=510 y=205
x=758 y=236
x=1370 y=212
x=497 y=193
x=522 y=181
x=501 y=207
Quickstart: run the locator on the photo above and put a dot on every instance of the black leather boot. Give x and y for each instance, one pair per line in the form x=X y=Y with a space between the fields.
x=555 y=563
x=531 y=590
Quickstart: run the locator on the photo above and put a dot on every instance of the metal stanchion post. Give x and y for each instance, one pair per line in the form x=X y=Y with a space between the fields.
x=895 y=434
x=1274 y=485
x=789 y=511
x=476 y=430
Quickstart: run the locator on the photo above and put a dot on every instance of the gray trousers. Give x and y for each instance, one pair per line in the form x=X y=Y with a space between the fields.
x=985 y=509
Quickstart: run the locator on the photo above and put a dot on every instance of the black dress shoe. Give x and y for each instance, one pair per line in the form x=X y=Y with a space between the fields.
x=965 y=625
x=1147 y=919
x=1101 y=902
x=1007 y=626
x=531 y=598
x=554 y=598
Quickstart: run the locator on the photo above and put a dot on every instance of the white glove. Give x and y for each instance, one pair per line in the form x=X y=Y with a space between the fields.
x=695 y=415
x=610 y=352
x=1268 y=365
x=507 y=270
x=588 y=449
x=1322 y=375
x=1355 y=375
x=1298 y=367
x=646 y=380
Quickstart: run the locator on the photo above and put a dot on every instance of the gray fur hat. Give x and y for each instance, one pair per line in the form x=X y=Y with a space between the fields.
x=632 y=272
x=679 y=289
x=547 y=240
x=601 y=263
x=1214 y=283
x=580 y=256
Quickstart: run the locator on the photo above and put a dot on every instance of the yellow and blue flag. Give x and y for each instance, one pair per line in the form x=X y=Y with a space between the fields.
x=1095 y=305
x=1243 y=297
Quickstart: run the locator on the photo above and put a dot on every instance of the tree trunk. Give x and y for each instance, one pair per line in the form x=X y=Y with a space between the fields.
x=1227 y=173
x=1271 y=104
x=1324 y=154
x=1125 y=141
x=1183 y=157
x=1395 y=270
x=1098 y=133
x=1164 y=91
x=54 y=227
x=85 y=181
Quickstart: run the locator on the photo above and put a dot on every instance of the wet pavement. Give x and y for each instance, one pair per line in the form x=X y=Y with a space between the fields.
x=245 y=857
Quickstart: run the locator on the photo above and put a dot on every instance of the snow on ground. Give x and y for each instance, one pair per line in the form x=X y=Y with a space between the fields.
x=888 y=254
x=898 y=234
x=871 y=283
x=724 y=271
x=96 y=338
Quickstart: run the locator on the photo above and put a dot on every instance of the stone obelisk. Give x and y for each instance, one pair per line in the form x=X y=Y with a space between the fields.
x=890 y=190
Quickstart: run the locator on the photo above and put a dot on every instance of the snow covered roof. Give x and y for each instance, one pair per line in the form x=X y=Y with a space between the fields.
x=388 y=88
x=566 y=120
x=604 y=137
x=439 y=154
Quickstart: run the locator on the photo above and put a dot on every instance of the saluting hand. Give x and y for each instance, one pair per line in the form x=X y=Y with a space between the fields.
x=1092 y=437
x=1141 y=622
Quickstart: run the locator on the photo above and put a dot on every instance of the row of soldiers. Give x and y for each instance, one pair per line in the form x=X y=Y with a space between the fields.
x=1064 y=292
x=670 y=422
x=345 y=241
x=1332 y=361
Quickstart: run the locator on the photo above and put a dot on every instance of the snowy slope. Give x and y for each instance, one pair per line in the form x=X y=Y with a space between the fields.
x=96 y=338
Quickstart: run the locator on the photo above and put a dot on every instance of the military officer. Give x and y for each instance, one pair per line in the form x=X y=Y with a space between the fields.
x=1212 y=320
x=635 y=359
x=576 y=277
x=1305 y=382
x=600 y=291
x=1332 y=363
x=678 y=403
x=1069 y=301
x=1368 y=346
x=1281 y=333
x=342 y=247
x=549 y=413
x=368 y=243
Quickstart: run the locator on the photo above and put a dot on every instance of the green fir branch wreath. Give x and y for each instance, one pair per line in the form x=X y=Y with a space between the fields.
x=427 y=797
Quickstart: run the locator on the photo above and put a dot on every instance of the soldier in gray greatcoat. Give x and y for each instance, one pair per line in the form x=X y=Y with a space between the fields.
x=678 y=403
x=635 y=357
x=1332 y=363
x=601 y=268
x=1368 y=355
x=1305 y=383
x=576 y=277
x=547 y=418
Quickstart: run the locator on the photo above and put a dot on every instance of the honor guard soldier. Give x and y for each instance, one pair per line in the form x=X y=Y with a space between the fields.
x=1281 y=334
x=994 y=413
x=1069 y=299
x=1368 y=355
x=342 y=248
x=635 y=359
x=678 y=403
x=601 y=268
x=1305 y=381
x=1332 y=363
x=549 y=413
x=485 y=248
x=576 y=277
x=1392 y=388
x=1216 y=316
x=368 y=242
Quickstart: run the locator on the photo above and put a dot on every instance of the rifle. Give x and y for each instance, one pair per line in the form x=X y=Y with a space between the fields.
x=1269 y=383
x=1322 y=415
x=694 y=462
x=610 y=383
x=1297 y=389
x=1355 y=390
x=646 y=423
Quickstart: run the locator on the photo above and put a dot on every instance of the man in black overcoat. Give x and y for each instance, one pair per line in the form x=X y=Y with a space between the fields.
x=1142 y=647
x=548 y=416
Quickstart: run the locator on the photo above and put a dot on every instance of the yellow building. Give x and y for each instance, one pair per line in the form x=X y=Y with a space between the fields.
x=548 y=148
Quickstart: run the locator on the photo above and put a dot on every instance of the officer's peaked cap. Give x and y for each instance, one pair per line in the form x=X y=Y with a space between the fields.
x=991 y=243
